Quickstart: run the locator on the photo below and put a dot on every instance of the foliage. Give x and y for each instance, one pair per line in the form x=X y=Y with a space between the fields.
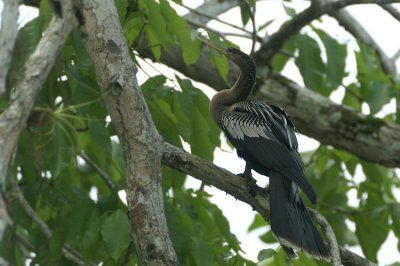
x=69 y=119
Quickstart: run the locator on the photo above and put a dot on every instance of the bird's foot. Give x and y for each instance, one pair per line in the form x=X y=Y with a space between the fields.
x=248 y=177
x=251 y=182
x=291 y=254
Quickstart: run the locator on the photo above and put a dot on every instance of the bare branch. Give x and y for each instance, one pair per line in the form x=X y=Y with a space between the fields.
x=200 y=18
x=277 y=40
x=245 y=191
x=212 y=8
x=102 y=174
x=8 y=34
x=330 y=236
x=392 y=11
x=358 y=31
x=350 y=258
x=33 y=3
x=13 y=118
x=67 y=251
x=131 y=118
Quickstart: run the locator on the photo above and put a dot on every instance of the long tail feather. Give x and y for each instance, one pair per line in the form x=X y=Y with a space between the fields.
x=290 y=221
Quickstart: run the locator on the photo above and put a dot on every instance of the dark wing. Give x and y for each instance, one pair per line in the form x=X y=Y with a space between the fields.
x=276 y=119
x=266 y=139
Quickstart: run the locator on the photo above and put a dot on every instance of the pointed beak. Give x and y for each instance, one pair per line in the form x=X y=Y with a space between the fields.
x=213 y=45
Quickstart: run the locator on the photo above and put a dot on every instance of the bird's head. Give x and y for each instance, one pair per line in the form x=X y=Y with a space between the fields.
x=237 y=56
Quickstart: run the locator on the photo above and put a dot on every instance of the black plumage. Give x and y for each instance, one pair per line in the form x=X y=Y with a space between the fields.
x=265 y=138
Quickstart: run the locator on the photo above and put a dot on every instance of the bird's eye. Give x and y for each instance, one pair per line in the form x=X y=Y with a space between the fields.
x=231 y=50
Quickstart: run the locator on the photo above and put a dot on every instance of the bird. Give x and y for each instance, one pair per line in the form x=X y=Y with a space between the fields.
x=265 y=137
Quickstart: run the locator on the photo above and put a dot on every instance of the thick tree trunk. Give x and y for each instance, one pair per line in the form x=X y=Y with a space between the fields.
x=136 y=131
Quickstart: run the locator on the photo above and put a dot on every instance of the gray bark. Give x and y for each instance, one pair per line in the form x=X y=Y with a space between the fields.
x=8 y=34
x=136 y=131
x=14 y=117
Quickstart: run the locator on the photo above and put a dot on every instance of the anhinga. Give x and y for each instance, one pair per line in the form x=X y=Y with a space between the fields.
x=265 y=138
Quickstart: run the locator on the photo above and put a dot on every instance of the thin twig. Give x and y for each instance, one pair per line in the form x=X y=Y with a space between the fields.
x=253 y=23
x=394 y=12
x=197 y=25
x=278 y=39
x=330 y=236
x=67 y=251
x=396 y=55
x=337 y=209
x=216 y=19
x=102 y=174
x=351 y=25
x=353 y=93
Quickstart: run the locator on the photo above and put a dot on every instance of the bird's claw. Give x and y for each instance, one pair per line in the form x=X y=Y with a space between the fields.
x=250 y=183
x=250 y=178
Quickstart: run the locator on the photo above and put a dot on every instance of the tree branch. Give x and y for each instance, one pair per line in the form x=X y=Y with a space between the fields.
x=67 y=251
x=277 y=40
x=394 y=12
x=99 y=171
x=131 y=118
x=240 y=188
x=212 y=8
x=330 y=236
x=8 y=34
x=358 y=31
x=13 y=119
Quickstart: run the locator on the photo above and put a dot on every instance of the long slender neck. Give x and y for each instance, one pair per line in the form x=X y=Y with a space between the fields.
x=239 y=92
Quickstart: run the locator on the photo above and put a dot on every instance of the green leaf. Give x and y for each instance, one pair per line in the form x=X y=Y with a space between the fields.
x=265 y=254
x=176 y=24
x=132 y=29
x=205 y=134
x=395 y=215
x=121 y=8
x=305 y=260
x=245 y=12
x=156 y=27
x=81 y=58
x=77 y=220
x=27 y=39
x=350 y=97
x=279 y=60
x=380 y=95
x=181 y=229
x=60 y=150
x=202 y=252
x=336 y=54
x=268 y=237
x=258 y=222
x=280 y=258
x=99 y=148
x=290 y=11
x=116 y=233
x=91 y=239
x=310 y=65
x=265 y=25
x=56 y=244
x=372 y=229
x=223 y=226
